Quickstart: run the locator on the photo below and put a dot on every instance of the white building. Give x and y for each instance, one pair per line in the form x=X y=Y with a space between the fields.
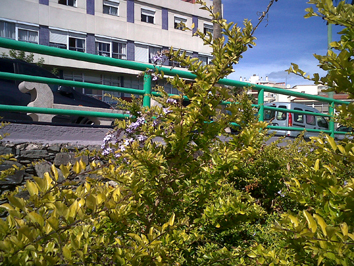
x=268 y=96
x=126 y=29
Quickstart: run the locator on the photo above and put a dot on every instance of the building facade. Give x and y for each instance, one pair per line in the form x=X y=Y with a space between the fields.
x=126 y=29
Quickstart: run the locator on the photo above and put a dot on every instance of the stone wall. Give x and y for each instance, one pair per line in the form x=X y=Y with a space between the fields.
x=36 y=159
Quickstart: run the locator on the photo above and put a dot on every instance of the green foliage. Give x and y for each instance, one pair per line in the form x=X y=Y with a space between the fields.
x=29 y=58
x=172 y=188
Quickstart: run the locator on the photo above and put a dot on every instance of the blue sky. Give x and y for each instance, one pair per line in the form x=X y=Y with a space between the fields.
x=285 y=38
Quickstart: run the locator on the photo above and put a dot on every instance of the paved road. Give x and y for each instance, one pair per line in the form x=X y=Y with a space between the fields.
x=49 y=134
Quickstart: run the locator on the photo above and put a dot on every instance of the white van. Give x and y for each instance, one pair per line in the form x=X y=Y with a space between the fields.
x=288 y=119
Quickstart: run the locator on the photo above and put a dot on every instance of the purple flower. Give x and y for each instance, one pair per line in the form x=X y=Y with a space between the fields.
x=166 y=110
x=122 y=148
x=107 y=151
x=282 y=194
x=156 y=122
x=108 y=138
x=128 y=141
x=142 y=138
x=154 y=78
x=171 y=101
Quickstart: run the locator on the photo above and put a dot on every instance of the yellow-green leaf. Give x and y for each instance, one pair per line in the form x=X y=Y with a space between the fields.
x=344 y=228
x=317 y=165
x=311 y=222
x=32 y=188
x=71 y=213
x=172 y=220
x=91 y=202
x=294 y=220
x=65 y=170
x=76 y=167
x=332 y=142
x=82 y=165
x=36 y=218
x=322 y=223
x=55 y=172
x=17 y=202
x=342 y=149
x=67 y=253
x=54 y=222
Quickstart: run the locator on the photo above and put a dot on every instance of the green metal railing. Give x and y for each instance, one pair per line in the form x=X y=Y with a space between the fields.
x=147 y=90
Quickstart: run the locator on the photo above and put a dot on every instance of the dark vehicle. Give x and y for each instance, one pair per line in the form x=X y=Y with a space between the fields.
x=345 y=129
x=11 y=95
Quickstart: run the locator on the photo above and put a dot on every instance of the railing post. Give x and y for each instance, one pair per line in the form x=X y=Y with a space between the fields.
x=261 y=105
x=147 y=90
x=331 y=113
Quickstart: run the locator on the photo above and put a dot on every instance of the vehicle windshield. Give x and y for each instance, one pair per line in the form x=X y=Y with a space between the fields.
x=269 y=114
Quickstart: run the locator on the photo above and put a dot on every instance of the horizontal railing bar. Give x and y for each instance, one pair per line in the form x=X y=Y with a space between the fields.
x=295 y=111
x=70 y=83
x=55 y=111
x=299 y=129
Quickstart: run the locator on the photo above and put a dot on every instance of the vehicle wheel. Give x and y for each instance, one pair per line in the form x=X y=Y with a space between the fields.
x=84 y=121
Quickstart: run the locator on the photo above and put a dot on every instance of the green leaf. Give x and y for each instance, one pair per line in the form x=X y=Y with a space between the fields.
x=32 y=188
x=17 y=202
x=294 y=220
x=91 y=202
x=310 y=221
x=65 y=170
x=331 y=142
x=36 y=218
x=344 y=228
x=54 y=222
x=317 y=165
x=76 y=167
x=171 y=220
x=72 y=211
x=322 y=223
x=66 y=253
x=55 y=172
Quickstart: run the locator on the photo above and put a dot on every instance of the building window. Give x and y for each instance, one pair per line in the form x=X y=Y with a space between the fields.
x=206 y=60
x=67 y=2
x=76 y=44
x=141 y=53
x=58 y=39
x=110 y=7
x=28 y=36
x=180 y=23
x=147 y=16
x=119 y=50
x=208 y=28
x=108 y=48
x=103 y=49
x=7 y=30
x=58 y=45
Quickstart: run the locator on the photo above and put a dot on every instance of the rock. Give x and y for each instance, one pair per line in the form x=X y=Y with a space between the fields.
x=54 y=148
x=14 y=179
x=34 y=154
x=32 y=146
x=44 y=167
x=68 y=157
x=7 y=150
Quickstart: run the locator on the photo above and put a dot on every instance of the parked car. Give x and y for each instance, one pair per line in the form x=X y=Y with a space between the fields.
x=345 y=129
x=289 y=119
x=11 y=95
